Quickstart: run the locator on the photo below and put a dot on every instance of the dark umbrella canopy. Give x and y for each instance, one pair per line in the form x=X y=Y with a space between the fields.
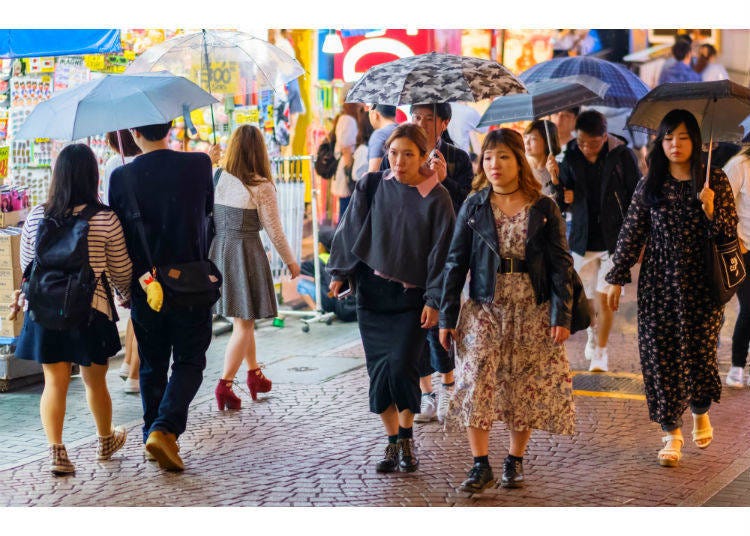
x=625 y=88
x=720 y=107
x=543 y=98
x=434 y=77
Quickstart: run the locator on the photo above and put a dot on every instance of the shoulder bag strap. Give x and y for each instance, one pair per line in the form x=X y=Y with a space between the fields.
x=217 y=175
x=135 y=216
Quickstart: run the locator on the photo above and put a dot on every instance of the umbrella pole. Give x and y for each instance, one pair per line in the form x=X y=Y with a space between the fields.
x=546 y=130
x=710 y=151
x=208 y=82
x=119 y=143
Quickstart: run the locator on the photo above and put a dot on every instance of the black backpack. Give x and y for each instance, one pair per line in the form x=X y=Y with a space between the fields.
x=59 y=283
x=325 y=161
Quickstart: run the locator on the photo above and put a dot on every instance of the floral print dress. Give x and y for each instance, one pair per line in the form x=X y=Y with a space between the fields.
x=508 y=367
x=678 y=322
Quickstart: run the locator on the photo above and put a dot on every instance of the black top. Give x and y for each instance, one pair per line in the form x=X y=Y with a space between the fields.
x=593 y=176
x=402 y=235
x=175 y=195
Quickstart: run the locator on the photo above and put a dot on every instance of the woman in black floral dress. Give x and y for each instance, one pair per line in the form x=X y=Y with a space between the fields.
x=672 y=213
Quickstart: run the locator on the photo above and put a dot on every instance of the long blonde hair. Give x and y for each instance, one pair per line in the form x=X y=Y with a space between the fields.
x=246 y=157
x=514 y=141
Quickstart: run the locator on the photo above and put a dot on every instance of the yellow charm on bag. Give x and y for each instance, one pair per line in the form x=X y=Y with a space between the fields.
x=154 y=295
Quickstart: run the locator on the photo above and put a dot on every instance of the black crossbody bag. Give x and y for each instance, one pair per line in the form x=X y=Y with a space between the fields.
x=185 y=285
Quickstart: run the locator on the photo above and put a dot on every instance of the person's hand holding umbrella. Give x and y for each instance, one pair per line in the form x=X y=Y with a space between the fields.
x=706 y=197
x=553 y=169
x=439 y=165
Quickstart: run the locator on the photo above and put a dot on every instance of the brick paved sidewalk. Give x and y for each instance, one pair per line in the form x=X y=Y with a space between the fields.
x=313 y=443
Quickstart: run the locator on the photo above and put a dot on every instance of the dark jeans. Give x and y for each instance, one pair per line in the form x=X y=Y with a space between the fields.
x=434 y=357
x=185 y=335
x=699 y=408
x=741 y=335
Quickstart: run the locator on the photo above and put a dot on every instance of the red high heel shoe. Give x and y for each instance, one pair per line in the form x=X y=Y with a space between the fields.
x=225 y=397
x=257 y=383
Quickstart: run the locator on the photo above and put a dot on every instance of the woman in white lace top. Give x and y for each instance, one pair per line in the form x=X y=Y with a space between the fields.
x=245 y=203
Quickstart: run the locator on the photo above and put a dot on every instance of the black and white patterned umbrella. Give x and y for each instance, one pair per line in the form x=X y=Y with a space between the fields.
x=434 y=77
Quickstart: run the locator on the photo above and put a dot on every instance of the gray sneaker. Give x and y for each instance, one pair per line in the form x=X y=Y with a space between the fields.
x=428 y=408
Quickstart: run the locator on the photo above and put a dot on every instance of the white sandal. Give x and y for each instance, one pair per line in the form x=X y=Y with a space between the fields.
x=670 y=456
x=702 y=434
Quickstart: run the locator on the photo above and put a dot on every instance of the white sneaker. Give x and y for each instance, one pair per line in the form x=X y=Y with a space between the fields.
x=428 y=408
x=124 y=371
x=734 y=378
x=132 y=386
x=590 y=349
x=444 y=398
x=599 y=361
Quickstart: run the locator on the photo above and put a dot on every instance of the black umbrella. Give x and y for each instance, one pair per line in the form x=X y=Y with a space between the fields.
x=719 y=107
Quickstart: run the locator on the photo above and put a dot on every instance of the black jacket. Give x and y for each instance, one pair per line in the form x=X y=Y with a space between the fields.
x=475 y=247
x=620 y=176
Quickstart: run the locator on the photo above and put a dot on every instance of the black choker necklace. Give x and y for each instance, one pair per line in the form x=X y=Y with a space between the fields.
x=507 y=193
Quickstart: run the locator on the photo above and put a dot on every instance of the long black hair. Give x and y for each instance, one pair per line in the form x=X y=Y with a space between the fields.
x=75 y=181
x=658 y=163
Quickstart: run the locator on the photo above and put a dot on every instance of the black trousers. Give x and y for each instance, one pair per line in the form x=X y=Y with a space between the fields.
x=741 y=335
x=182 y=335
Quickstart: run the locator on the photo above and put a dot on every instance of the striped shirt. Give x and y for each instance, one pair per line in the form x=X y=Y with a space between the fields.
x=107 y=252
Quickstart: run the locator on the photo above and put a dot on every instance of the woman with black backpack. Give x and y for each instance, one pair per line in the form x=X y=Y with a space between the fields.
x=72 y=246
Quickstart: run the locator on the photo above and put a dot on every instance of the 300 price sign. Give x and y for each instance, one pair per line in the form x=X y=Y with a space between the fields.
x=4 y=152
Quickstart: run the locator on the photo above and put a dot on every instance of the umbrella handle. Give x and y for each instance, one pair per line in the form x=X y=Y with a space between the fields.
x=119 y=143
x=208 y=82
x=546 y=130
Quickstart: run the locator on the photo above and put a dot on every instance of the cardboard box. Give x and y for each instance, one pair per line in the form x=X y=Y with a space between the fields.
x=8 y=219
x=10 y=250
x=10 y=328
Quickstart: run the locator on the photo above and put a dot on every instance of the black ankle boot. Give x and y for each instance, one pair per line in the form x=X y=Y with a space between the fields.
x=512 y=473
x=409 y=461
x=389 y=463
x=480 y=479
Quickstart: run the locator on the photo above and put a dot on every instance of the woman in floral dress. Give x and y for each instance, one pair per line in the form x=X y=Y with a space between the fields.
x=511 y=364
x=672 y=214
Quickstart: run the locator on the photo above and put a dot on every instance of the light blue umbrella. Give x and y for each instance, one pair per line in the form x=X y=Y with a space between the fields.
x=114 y=102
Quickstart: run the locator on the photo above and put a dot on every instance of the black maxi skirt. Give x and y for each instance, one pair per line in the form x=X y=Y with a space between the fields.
x=389 y=323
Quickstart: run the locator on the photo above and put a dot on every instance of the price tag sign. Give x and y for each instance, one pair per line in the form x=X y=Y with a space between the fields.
x=4 y=153
x=225 y=77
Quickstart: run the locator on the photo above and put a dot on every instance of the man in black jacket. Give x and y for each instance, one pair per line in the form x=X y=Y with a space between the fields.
x=175 y=196
x=602 y=173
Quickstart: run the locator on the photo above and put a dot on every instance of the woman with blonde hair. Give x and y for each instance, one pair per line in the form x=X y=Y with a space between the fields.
x=245 y=203
x=510 y=359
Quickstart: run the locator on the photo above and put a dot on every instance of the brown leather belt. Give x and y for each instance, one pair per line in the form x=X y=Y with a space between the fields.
x=512 y=266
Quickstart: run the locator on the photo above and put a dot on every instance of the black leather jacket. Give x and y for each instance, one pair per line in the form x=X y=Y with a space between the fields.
x=475 y=247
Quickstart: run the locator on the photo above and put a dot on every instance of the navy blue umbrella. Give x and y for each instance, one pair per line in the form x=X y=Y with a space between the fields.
x=625 y=88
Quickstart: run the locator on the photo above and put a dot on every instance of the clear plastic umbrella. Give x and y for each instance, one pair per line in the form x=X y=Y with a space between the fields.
x=221 y=61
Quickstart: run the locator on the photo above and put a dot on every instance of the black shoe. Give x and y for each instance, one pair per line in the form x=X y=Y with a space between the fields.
x=389 y=463
x=409 y=461
x=512 y=473
x=480 y=479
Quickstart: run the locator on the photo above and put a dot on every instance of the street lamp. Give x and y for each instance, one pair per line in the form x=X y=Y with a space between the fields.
x=332 y=43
